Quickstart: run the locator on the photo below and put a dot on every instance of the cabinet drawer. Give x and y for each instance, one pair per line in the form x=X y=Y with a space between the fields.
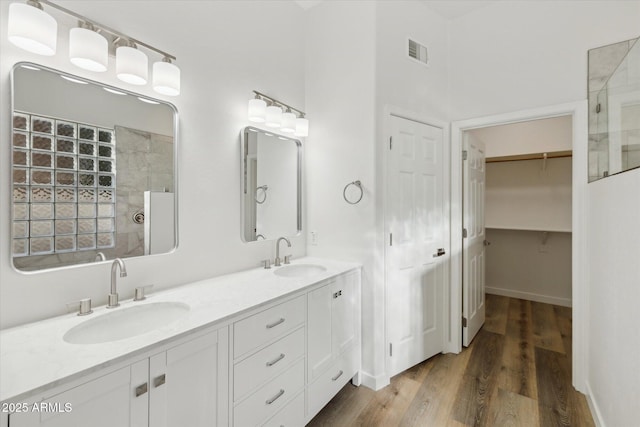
x=267 y=363
x=270 y=398
x=291 y=415
x=267 y=325
x=322 y=390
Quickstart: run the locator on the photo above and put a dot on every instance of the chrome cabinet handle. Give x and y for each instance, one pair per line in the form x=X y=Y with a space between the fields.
x=276 y=323
x=276 y=360
x=276 y=397
x=337 y=376
x=158 y=381
x=141 y=389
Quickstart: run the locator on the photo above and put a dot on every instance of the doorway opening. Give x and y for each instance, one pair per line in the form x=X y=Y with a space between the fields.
x=576 y=113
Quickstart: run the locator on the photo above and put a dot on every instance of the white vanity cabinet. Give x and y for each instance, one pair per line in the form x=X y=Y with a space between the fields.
x=269 y=364
x=183 y=385
x=333 y=349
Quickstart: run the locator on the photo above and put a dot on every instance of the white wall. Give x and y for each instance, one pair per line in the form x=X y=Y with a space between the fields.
x=340 y=96
x=520 y=265
x=521 y=195
x=530 y=137
x=614 y=270
x=225 y=50
x=518 y=55
x=355 y=73
x=514 y=55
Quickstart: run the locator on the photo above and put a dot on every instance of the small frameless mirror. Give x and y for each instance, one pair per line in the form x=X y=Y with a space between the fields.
x=93 y=171
x=271 y=185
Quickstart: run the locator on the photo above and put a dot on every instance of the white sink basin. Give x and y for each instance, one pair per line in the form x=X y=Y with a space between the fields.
x=299 y=270
x=124 y=323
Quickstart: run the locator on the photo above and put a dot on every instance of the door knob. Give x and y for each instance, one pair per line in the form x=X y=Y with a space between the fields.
x=439 y=253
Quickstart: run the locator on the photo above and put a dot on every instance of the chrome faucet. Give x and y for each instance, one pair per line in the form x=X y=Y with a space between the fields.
x=113 y=295
x=100 y=257
x=277 y=261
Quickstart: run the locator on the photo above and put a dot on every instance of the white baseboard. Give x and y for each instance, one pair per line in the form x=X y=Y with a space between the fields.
x=565 y=302
x=374 y=383
x=593 y=407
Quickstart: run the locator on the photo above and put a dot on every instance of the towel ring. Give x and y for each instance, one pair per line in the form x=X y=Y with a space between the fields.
x=344 y=192
x=264 y=189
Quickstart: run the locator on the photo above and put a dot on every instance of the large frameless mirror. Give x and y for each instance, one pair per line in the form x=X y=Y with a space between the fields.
x=614 y=109
x=271 y=181
x=93 y=171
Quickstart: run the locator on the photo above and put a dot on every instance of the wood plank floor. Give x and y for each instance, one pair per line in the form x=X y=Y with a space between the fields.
x=517 y=372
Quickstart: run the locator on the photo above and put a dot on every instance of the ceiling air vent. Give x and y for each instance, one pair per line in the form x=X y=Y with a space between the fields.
x=418 y=52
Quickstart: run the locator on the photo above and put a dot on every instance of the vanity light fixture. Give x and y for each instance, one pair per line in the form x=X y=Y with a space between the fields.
x=257 y=110
x=273 y=116
x=132 y=65
x=32 y=29
x=290 y=121
x=166 y=77
x=302 y=126
x=88 y=49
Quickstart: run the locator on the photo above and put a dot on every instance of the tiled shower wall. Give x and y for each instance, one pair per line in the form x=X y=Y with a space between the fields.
x=145 y=163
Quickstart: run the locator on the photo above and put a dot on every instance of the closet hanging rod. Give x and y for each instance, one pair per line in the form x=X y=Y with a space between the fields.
x=536 y=156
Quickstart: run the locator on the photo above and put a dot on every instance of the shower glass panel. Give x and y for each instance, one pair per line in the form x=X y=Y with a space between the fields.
x=614 y=109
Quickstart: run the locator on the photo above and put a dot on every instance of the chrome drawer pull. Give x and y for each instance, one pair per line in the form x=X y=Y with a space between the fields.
x=276 y=397
x=276 y=323
x=158 y=381
x=276 y=360
x=141 y=389
x=337 y=376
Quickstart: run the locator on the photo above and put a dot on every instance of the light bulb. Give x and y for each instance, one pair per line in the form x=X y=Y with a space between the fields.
x=32 y=29
x=274 y=116
x=288 y=122
x=132 y=66
x=88 y=49
x=256 y=110
x=302 y=127
x=166 y=78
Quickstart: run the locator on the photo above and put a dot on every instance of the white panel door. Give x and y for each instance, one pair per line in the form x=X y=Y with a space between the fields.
x=473 y=253
x=414 y=272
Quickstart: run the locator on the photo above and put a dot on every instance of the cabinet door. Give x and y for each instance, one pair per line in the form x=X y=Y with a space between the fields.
x=185 y=383
x=320 y=352
x=343 y=313
x=104 y=402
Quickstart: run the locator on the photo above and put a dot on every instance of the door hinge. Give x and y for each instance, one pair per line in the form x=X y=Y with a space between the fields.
x=390 y=239
x=390 y=142
x=390 y=349
x=464 y=233
x=465 y=154
x=464 y=322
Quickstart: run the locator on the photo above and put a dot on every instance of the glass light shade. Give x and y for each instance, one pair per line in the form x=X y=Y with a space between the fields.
x=132 y=66
x=88 y=49
x=166 y=78
x=257 y=110
x=274 y=116
x=302 y=127
x=32 y=29
x=288 y=122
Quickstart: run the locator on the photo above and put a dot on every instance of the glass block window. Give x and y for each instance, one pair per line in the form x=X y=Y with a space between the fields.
x=64 y=179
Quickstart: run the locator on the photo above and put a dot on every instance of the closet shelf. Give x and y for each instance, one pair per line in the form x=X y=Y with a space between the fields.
x=515 y=228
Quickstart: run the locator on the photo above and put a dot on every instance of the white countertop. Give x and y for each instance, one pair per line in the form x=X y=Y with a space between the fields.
x=35 y=358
